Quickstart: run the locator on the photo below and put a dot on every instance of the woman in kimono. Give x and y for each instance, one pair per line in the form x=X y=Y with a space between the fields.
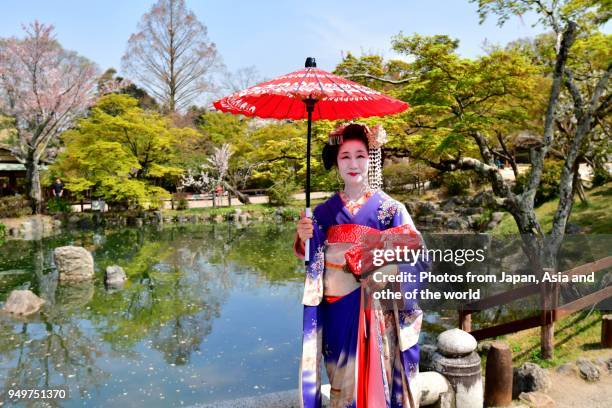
x=369 y=346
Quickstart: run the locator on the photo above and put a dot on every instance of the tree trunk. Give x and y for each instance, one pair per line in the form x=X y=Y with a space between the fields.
x=243 y=198
x=33 y=183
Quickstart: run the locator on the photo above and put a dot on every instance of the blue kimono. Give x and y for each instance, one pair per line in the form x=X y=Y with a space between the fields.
x=371 y=355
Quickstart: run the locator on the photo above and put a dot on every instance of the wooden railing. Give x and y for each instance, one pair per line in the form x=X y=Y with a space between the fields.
x=550 y=310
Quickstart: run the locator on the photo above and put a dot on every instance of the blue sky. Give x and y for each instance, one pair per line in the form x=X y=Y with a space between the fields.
x=274 y=36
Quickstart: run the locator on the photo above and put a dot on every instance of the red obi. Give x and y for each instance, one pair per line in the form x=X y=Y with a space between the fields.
x=360 y=257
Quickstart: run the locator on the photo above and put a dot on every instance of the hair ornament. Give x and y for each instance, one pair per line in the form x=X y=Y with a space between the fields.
x=377 y=136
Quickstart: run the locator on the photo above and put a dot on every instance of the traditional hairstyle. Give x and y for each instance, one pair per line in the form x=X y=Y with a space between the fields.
x=373 y=139
x=353 y=131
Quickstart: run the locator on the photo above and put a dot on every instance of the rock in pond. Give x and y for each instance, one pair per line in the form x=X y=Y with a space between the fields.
x=23 y=303
x=74 y=264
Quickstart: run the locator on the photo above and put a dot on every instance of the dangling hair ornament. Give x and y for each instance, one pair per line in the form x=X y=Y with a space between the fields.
x=377 y=136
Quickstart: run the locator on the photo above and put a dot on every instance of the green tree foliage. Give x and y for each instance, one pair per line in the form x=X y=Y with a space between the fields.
x=452 y=98
x=549 y=186
x=455 y=98
x=274 y=150
x=551 y=13
x=119 y=152
x=280 y=148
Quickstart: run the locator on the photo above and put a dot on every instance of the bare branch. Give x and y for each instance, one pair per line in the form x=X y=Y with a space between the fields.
x=509 y=156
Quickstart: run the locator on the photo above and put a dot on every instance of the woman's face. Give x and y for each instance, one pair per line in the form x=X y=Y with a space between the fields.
x=353 y=162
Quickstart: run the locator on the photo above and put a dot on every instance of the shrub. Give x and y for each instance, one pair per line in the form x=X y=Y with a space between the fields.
x=456 y=183
x=290 y=213
x=180 y=201
x=549 y=183
x=57 y=205
x=156 y=203
x=2 y=233
x=600 y=176
x=281 y=192
x=397 y=175
x=14 y=206
x=483 y=220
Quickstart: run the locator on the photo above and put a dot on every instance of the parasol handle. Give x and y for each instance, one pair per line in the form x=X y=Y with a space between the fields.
x=310 y=103
x=307 y=243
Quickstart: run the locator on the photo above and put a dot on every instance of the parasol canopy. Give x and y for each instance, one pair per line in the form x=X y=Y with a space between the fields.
x=337 y=98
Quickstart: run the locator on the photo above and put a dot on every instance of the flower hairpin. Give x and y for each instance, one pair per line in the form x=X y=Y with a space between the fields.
x=377 y=136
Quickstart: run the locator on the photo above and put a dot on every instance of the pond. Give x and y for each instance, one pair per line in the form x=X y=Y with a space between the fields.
x=210 y=312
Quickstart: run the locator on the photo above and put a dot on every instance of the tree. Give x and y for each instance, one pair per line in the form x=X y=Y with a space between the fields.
x=455 y=102
x=264 y=152
x=587 y=61
x=120 y=152
x=462 y=119
x=171 y=56
x=474 y=145
x=110 y=82
x=241 y=79
x=44 y=88
x=572 y=22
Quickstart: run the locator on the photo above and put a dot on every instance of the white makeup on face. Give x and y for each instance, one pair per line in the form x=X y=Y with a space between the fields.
x=353 y=163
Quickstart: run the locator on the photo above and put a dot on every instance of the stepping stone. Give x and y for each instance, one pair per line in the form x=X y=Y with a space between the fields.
x=537 y=399
x=588 y=370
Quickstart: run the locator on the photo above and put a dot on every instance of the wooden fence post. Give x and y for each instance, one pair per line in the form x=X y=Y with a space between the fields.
x=606 y=331
x=465 y=320
x=498 y=380
x=549 y=296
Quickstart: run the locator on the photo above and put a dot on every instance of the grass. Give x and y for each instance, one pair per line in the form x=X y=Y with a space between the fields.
x=576 y=335
x=579 y=334
x=294 y=208
x=593 y=218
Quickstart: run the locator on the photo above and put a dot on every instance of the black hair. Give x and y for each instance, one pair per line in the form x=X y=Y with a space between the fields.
x=353 y=131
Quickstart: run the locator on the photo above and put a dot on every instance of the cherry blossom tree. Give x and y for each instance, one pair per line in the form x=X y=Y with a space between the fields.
x=216 y=171
x=44 y=88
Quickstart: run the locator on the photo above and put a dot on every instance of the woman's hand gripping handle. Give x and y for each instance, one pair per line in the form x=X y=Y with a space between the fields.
x=305 y=231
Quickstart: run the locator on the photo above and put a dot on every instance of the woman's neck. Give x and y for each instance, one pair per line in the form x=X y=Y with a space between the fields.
x=355 y=191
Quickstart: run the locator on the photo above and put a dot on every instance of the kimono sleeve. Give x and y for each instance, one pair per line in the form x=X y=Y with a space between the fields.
x=422 y=261
x=298 y=247
x=411 y=316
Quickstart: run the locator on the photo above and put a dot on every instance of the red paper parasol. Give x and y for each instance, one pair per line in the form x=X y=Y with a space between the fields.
x=337 y=98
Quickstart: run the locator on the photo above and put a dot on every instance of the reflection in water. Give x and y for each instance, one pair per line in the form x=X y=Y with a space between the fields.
x=45 y=355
